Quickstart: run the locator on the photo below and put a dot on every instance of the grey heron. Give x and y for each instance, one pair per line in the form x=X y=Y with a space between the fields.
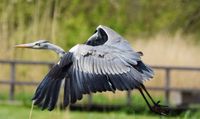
x=106 y=62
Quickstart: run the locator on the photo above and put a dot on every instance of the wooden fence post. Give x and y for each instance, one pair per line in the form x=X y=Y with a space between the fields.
x=167 y=85
x=128 y=98
x=12 y=81
x=89 y=99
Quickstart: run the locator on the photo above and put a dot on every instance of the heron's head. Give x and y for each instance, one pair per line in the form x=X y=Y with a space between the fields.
x=41 y=44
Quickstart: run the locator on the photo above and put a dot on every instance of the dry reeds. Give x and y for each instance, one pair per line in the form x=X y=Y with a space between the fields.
x=168 y=50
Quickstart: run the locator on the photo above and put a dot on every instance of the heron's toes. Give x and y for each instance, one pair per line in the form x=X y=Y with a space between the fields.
x=160 y=109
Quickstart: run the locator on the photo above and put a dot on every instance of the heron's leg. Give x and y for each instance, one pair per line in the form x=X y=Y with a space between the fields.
x=160 y=109
x=145 y=98
x=143 y=87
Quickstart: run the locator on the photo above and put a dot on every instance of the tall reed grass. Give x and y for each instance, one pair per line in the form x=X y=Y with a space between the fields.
x=167 y=50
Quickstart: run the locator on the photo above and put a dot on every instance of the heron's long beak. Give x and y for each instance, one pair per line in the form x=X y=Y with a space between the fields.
x=28 y=45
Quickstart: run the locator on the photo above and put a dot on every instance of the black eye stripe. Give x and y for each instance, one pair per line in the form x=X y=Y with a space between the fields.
x=37 y=44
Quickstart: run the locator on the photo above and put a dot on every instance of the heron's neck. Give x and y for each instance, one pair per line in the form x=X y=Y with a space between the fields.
x=57 y=49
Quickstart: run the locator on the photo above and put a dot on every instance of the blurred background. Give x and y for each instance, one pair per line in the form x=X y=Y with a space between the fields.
x=167 y=32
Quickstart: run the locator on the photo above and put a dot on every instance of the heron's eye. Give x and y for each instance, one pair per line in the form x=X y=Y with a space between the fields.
x=38 y=44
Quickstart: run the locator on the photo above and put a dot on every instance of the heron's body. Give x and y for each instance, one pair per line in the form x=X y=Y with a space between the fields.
x=106 y=62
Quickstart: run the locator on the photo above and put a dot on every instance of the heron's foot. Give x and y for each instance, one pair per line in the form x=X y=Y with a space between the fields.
x=160 y=109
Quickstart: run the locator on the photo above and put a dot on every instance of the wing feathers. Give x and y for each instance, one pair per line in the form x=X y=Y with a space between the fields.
x=91 y=69
x=46 y=94
x=66 y=92
x=47 y=100
x=54 y=95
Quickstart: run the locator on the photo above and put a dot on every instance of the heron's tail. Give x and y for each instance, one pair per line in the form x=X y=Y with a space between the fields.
x=147 y=71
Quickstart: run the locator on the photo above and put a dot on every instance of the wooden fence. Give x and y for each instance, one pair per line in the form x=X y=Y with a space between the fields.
x=166 y=89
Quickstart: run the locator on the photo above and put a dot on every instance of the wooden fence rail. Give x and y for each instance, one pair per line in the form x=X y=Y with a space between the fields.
x=166 y=89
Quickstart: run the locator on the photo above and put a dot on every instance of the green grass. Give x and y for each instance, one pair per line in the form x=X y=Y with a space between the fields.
x=8 y=111
x=98 y=98
x=21 y=112
x=136 y=111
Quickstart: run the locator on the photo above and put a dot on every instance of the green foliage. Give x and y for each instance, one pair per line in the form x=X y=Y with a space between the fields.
x=68 y=22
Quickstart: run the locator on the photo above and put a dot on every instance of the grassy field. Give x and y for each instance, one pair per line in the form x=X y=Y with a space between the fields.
x=15 y=112
x=136 y=111
x=21 y=112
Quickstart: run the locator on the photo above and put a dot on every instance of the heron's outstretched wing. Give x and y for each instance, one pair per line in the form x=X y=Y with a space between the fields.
x=105 y=68
x=89 y=69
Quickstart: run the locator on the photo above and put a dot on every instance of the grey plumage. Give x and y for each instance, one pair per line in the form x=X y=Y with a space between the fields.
x=106 y=62
x=96 y=68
